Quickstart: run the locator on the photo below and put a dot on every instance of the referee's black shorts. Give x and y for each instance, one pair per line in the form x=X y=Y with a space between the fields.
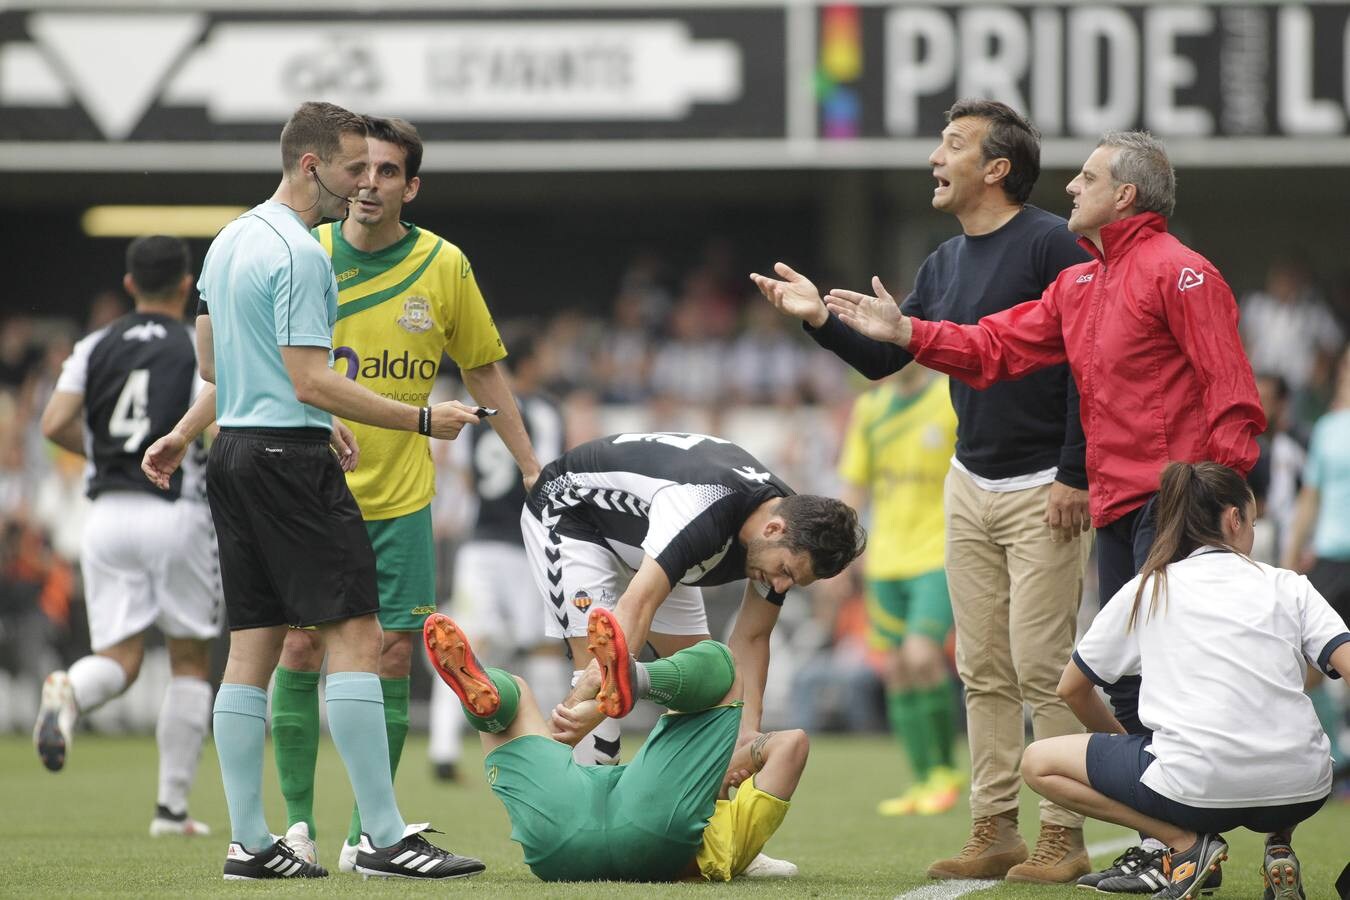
x=293 y=547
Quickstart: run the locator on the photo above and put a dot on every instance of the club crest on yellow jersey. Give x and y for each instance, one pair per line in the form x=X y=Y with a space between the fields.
x=416 y=318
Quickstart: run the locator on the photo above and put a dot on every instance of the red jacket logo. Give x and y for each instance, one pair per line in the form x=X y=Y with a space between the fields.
x=1189 y=279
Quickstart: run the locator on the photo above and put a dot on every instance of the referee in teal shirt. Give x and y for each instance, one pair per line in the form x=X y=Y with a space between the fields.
x=294 y=551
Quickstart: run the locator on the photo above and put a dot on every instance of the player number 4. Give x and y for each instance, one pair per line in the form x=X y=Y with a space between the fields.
x=129 y=416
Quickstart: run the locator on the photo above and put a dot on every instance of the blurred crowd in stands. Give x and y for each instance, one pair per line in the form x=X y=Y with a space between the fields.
x=697 y=350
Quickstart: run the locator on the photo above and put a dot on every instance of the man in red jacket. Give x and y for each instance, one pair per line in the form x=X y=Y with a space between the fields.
x=1149 y=329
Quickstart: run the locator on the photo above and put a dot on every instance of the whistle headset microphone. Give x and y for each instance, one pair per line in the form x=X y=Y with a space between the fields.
x=314 y=170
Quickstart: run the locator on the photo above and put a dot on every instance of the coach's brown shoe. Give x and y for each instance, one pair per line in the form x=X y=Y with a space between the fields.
x=1058 y=858
x=994 y=847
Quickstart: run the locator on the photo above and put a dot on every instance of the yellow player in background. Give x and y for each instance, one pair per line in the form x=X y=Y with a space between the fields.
x=896 y=456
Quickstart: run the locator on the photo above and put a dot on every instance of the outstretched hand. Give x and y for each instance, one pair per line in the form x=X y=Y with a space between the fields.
x=876 y=317
x=448 y=418
x=795 y=295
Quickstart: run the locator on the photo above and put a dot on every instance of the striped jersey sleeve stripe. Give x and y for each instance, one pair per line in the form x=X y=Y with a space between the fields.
x=353 y=307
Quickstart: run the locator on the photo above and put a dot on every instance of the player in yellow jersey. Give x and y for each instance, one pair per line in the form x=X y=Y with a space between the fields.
x=896 y=456
x=405 y=297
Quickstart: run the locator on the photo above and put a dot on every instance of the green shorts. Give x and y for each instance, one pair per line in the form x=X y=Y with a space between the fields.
x=905 y=606
x=642 y=821
x=405 y=567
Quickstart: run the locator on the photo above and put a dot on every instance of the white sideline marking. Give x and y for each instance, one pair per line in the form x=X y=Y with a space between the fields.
x=950 y=890
x=1101 y=848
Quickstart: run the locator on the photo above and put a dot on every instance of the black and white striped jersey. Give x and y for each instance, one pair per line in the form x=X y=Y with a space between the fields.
x=496 y=479
x=679 y=498
x=138 y=376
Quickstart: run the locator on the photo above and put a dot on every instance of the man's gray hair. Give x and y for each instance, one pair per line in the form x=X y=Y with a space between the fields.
x=1142 y=161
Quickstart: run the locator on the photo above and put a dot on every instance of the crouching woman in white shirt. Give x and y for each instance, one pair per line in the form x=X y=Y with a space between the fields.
x=1222 y=644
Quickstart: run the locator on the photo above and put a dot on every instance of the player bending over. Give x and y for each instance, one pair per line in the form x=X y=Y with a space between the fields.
x=666 y=815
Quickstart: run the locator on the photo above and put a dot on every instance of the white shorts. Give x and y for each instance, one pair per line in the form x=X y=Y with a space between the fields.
x=489 y=600
x=148 y=561
x=574 y=575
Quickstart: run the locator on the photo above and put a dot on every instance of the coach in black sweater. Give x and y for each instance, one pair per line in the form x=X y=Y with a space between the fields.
x=1016 y=499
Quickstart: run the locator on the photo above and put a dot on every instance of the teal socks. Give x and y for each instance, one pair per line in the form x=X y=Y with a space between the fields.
x=240 y=723
x=396 y=728
x=356 y=721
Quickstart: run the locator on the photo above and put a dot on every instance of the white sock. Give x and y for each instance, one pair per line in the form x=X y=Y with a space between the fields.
x=95 y=680
x=544 y=673
x=588 y=752
x=600 y=747
x=1152 y=845
x=183 y=720
x=447 y=725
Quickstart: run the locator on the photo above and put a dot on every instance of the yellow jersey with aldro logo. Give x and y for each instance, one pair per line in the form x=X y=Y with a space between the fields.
x=399 y=310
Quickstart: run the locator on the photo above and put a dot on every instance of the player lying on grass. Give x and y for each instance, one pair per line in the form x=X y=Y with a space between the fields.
x=665 y=816
x=1222 y=646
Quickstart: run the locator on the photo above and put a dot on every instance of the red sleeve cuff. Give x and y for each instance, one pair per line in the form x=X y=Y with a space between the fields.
x=920 y=336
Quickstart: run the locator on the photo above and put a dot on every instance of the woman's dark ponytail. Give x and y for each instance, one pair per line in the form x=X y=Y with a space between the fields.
x=1190 y=506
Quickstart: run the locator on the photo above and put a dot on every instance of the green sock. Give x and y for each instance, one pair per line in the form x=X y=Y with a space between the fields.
x=1329 y=714
x=692 y=679
x=395 y=692
x=911 y=726
x=295 y=741
x=506 y=712
x=936 y=704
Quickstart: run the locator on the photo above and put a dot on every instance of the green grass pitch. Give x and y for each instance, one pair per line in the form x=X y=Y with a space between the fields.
x=82 y=832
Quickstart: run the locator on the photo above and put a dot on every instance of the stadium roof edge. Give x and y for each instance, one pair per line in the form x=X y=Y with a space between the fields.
x=664 y=155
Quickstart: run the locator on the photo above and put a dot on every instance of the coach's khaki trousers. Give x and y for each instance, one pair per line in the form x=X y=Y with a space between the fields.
x=1015 y=597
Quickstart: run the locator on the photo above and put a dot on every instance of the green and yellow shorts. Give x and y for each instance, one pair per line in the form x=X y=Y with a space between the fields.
x=900 y=607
